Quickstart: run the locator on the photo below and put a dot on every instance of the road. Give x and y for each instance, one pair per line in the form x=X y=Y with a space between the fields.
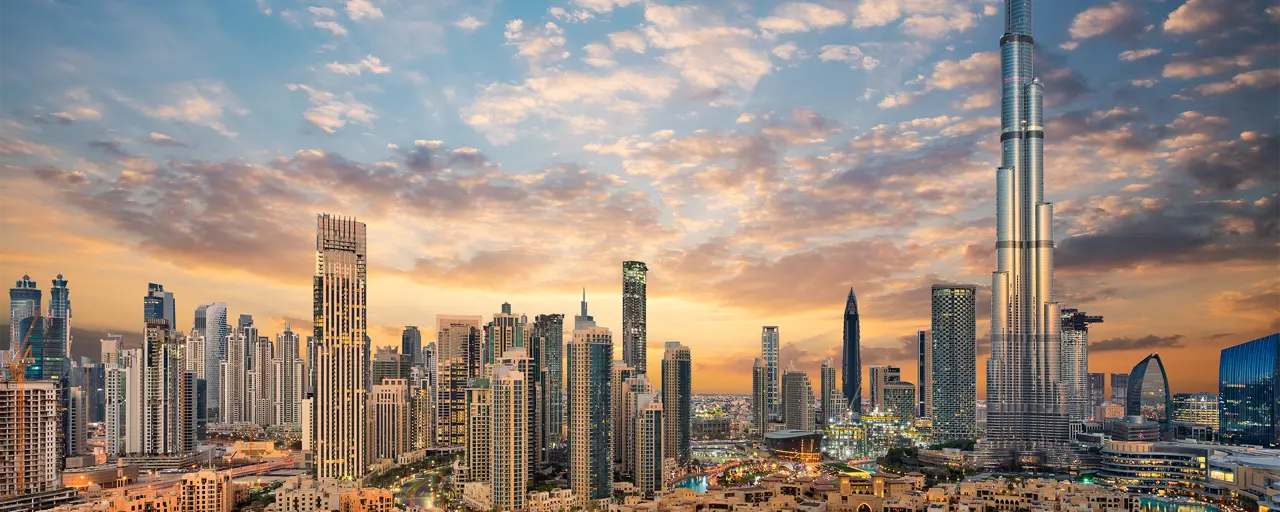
x=423 y=490
x=165 y=481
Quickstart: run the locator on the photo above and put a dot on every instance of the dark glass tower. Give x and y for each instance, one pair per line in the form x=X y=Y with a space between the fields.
x=1148 y=395
x=1249 y=393
x=634 y=314
x=1027 y=422
x=411 y=344
x=851 y=369
x=57 y=336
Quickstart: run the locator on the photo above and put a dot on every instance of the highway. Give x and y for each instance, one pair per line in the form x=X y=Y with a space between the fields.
x=161 y=482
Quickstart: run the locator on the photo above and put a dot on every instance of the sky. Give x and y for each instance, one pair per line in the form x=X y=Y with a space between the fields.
x=763 y=158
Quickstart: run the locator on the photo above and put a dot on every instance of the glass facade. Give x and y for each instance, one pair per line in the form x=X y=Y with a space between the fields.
x=1249 y=402
x=852 y=363
x=1148 y=395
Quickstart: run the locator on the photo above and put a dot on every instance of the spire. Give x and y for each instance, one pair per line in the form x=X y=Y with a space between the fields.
x=584 y=294
x=851 y=304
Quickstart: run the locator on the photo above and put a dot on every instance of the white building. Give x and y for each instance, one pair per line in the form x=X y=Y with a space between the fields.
x=590 y=433
x=287 y=372
x=206 y=491
x=510 y=432
x=390 y=433
x=634 y=391
x=35 y=454
x=231 y=374
x=479 y=438
x=261 y=382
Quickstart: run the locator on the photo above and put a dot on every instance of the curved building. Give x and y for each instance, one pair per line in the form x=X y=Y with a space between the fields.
x=795 y=445
x=1249 y=393
x=1148 y=394
x=1176 y=469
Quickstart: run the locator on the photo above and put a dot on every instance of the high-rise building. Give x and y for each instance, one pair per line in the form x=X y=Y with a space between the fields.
x=340 y=325
x=648 y=456
x=211 y=320
x=635 y=314
x=77 y=421
x=411 y=344
x=428 y=360
x=113 y=410
x=899 y=399
x=955 y=363
x=165 y=395
x=24 y=303
x=1196 y=408
x=1074 y=374
x=505 y=332
x=261 y=393
x=1097 y=388
x=1119 y=388
x=479 y=436
x=390 y=431
x=57 y=335
x=769 y=350
x=1249 y=393
x=583 y=321
x=234 y=378
x=287 y=371
x=510 y=430
x=1026 y=415
x=828 y=391
x=159 y=304
x=677 y=399
x=634 y=390
x=760 y=396
x=424 y=417
x=133 y=381
x=590 y=430
x=31 y=451
x=111 y=347
x=517 y=358
x=1148 y=395
x=206 y=491
x=881 y=375
x=852 y=353
x=388 y=363
x=797 y=397
x=924 y=374
x=458 y=361
x=548 y=330
x=622 y=374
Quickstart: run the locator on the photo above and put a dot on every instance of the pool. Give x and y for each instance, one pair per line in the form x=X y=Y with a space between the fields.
x=697 y=483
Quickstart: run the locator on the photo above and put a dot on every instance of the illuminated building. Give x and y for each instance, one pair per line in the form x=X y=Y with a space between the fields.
x=635 y=315
x=795 y=445
x=1148 y=393
x=1196 y=408
x=340 y=321
x=1249 y=392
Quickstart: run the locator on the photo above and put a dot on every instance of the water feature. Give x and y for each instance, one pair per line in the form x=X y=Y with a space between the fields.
x=697 y=483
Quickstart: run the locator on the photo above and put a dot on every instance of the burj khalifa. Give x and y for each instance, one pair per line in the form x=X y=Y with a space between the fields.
x=1027 y=421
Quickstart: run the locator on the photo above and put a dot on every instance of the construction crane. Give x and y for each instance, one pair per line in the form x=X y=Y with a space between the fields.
x=18 y=374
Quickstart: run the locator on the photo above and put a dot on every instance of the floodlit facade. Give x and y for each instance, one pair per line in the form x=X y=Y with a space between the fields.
x=900 y=399
x=36 y=456
x=1026 y=416
x=390 y=433
x=1196 y=408
x=881 y=375
x=458 y=361
x=479 y=438
x=924 y=374
x=340 y=303
x=955 y=386
x=1249 y=392
x=635 y=314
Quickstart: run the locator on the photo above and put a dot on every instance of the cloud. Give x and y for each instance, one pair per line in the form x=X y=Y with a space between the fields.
x=362 y=9
x=787 y=50
x=18 y=146
x=329 y=112
x=1118 y=19
x=1132 y=55
x=627 y=40
x=1148 y=342
x=369 y=62
x=468 y=23
x=1201 y=15
x=604 y=5
x=1145 y=83
x=850 y=54
x=539 y=45
x=322 y=12
x=801 y=17
x=199 y=102
x=877 y=13
x=977 y=69
x=707 y=52
x=598 y=55
x=1205 y=66
x=934 y=27
x=160 y=139
x=1262 y=78
x=332 y=26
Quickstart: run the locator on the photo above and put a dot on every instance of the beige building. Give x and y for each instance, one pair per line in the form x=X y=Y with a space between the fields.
x=34 y=454
x=206 y=491
x=391 y=436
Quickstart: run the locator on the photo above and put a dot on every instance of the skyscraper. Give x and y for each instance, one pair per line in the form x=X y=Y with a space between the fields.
x=390 y=434
x=1026 y=416
x=760 y=396
x=340 y=324
x=1097 y=388
x=505 y=332
x=24 y=303
x=1075 y=362
x=114 y=364
x=590 y=429
x=261 y=382
x=797 y=397
x=677 y=396
x=769 y=349
x=287 y=387
x=955 y=372
x=1119 y=388
x=211 y=319
x=880 y=376
x=411 y=344
x=162 y=397
x=924 y=373
x=1196 y=408
x=622 y=374
x=57 y=335
x=233 y=374
x=828 y=391
x=458 y=361
x=852 y=353
x=34 y=454
x=510 y=430
x=636 y=390
x=583 y=321
x=648 y=455
x=479 y=432
x=1249 y=392
x=899 y=399
x=549 y=331
x=159 y=304
x=518 y=360
x=1148 y=395
x=634 y=314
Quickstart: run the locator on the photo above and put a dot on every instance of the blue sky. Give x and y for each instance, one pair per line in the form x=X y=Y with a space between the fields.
x=762 y=156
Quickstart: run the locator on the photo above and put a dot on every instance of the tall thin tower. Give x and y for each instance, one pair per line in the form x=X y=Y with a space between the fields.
x=852 y=367
x=769 y=347
x=1026 y=410
x=634 y=314
x=340 y=322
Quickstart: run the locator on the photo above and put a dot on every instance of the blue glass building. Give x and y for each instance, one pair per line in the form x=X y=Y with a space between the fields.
x=1148 y=394
x=1249 y=401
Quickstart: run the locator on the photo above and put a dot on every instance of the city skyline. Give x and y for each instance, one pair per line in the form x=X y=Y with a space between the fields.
x=1122 y=252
